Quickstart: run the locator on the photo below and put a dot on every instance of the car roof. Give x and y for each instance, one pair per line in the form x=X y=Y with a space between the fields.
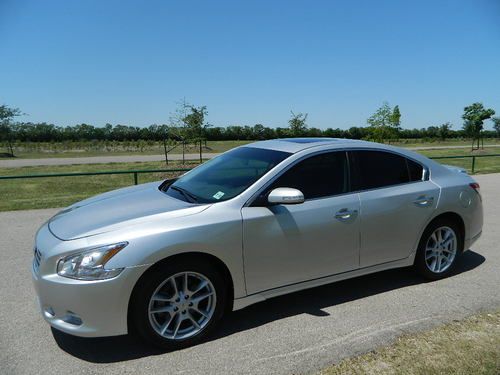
x=294 y=145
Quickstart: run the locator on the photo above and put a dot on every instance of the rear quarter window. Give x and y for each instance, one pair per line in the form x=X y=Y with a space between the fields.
x=415 y=170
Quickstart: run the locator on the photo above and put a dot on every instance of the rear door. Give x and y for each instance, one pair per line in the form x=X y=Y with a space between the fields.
x=396 y=202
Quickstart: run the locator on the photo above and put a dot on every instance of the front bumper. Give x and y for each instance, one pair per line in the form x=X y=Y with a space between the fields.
x=81 y=308
x=86 y=308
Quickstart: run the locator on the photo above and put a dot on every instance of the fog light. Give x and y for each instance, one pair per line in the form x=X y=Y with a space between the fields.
x=49 y=312
x=72 y=318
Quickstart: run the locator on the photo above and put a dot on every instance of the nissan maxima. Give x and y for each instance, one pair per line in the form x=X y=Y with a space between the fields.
x=167 y=260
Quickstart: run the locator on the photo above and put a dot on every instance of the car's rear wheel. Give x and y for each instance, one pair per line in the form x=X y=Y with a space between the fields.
x=439 y=249
x=178 y=304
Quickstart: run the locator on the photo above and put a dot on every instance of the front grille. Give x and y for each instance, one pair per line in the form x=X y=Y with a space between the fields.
x=37 y=259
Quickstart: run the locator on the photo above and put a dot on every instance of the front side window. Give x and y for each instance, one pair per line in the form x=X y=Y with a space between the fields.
x=376 y=169
x=318 y=176
x=225 y=176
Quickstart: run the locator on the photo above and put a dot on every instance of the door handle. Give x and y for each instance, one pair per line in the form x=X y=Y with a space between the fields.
x=423 y=201
x=345 y=214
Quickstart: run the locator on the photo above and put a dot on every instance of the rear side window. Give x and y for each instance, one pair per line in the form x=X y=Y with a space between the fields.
x=375 y=169
x=318 y=176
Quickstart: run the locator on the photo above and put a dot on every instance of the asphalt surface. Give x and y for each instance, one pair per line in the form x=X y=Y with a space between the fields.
x=298 y=333
x=16 y=163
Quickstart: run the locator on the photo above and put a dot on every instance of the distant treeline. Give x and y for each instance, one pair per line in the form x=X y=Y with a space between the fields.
x=44 y=132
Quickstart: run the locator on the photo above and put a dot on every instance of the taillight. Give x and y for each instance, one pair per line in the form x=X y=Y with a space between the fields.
x=475 y=186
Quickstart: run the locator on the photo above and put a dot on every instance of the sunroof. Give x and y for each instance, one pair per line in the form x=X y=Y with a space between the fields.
x=306 y=140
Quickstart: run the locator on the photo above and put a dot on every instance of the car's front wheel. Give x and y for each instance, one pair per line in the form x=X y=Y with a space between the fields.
x=439 y=248
x=178 y=304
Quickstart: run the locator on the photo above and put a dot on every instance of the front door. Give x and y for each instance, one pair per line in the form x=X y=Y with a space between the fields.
x=287 y=244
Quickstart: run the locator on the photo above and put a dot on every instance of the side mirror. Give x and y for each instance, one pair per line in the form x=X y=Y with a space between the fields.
x=285 y=196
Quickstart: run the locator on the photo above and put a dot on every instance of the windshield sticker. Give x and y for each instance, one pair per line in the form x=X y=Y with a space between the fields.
x=218 y=195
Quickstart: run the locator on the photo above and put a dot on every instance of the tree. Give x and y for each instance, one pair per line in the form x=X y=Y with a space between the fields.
x=297 y=124
x=496 y=124
x=385 y=123
x=258 y=131
x=396 y=118
x=6 y=127
x=474 y=116
x=195 y=124
x=444 y=131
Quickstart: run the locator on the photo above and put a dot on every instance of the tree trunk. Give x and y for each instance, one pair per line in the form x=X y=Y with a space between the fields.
x=165 y=149
x=201 y=159
x=11 y=148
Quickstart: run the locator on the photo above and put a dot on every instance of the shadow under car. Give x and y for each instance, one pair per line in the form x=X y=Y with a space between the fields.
x=311 y=301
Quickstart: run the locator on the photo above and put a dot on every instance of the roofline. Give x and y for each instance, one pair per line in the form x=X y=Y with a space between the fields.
x=288 y=145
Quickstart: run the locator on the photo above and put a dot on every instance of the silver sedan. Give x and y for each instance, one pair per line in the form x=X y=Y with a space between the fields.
x=166 y=260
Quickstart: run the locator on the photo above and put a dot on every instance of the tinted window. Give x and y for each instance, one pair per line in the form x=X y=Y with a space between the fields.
x=225 y=176
x=318 y=176
x=374 y=169
x=416 y=170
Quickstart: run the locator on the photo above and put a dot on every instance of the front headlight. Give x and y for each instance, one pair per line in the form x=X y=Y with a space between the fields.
x=90 y=264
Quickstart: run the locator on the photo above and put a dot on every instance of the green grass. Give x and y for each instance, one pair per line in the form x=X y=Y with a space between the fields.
x=467 y=347
x=61 y=191
x=50 y=150
x=86 y=149
x=483 y=164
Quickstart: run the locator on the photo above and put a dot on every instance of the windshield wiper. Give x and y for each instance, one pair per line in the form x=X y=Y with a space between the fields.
x=189 y=197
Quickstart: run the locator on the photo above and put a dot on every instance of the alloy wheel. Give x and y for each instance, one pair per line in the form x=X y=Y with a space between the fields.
x=441 y=249
x=182 y=305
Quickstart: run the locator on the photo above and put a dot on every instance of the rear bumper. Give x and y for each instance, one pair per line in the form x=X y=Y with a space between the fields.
x=86 y=308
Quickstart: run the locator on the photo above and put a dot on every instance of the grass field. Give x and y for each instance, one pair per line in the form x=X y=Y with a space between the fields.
x=468 y=347
x=86 y=149
x=483 y=164
x=49 y=150
x=62 y=191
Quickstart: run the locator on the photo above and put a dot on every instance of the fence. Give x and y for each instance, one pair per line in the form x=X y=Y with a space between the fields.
x=473 y=157
x=137 y=172
x=134 y=172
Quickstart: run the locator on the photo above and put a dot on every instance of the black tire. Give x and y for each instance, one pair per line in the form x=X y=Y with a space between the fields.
x=420 y=264
x=139 y=322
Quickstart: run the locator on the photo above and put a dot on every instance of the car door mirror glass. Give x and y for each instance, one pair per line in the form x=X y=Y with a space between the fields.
x=285 y=195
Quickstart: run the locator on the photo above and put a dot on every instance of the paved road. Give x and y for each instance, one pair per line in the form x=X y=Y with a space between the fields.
x=15 y=163
x=447 y=147
x=298 y=333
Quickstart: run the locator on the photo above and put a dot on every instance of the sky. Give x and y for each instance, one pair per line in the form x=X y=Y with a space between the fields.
x=132 y=62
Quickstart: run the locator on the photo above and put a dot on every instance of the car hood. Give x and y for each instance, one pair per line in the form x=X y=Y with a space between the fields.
x=118 y=209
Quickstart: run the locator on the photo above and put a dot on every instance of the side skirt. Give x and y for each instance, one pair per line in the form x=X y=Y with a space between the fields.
x=240 y=303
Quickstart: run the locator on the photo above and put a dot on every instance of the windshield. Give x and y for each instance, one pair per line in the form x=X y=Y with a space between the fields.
x=225 y=176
